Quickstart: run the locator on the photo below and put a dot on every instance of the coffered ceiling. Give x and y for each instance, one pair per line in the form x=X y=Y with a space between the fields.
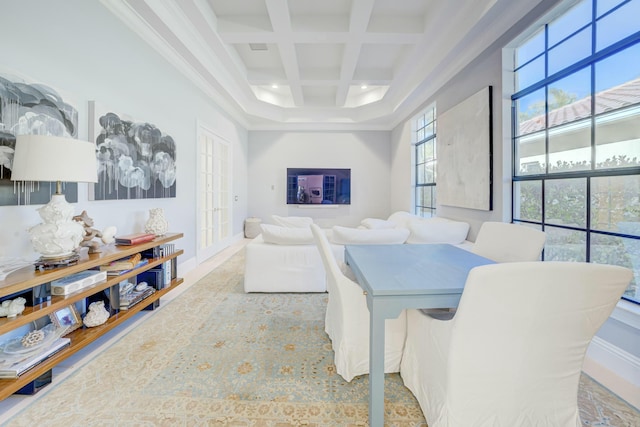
x=319 y=64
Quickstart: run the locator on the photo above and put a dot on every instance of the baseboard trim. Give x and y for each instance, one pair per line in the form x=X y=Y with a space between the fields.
x=615 y=369
x=187 y=266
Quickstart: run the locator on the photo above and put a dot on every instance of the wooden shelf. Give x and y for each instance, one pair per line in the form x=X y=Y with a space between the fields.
x=57 y=302
x=26 y=279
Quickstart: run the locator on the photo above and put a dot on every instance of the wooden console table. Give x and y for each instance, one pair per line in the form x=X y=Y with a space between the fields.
x=28 y=278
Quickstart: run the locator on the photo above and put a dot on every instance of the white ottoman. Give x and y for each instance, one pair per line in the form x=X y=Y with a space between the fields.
x=252 y=227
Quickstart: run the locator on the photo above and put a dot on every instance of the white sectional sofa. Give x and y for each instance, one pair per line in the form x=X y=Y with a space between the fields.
x=271 y=267
x=284 y=257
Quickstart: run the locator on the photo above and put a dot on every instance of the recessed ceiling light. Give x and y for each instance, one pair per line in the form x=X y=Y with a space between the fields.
x=363 y=86
x=274 y=86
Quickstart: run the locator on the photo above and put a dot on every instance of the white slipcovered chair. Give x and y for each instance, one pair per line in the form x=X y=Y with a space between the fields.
x=513 y=353
x=505 y=242
x=347 y=320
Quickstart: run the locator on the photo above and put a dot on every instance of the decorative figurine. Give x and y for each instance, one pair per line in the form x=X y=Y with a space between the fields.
x=107 y=236
x=97 y=314
x=11 y=308
x=156 y=224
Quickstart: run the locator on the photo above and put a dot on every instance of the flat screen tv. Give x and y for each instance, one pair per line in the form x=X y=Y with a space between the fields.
x=311 y=186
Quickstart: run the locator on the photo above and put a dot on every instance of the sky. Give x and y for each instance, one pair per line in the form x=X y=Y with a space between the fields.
x=611 y=27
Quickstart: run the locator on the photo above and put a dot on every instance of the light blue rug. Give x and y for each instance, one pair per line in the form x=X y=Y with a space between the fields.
x=265 y=347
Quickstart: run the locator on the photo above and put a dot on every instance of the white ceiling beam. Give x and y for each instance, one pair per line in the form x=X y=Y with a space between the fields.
x=358 y=21
x=439 y=37
x=139 y=19
x=203 y=22
x=281 y=22
x=323 y=38
x=495 y=21
x=210 y=50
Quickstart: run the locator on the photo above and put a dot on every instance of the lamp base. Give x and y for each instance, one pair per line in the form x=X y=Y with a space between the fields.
x=59 y=235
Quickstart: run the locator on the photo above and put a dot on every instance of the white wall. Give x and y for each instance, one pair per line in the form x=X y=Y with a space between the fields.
x=484 y=72
x=80 y=49
x=366 y=153
x=402 y=174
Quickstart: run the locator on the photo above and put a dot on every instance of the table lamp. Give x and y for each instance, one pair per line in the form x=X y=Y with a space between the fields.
x=52 y=158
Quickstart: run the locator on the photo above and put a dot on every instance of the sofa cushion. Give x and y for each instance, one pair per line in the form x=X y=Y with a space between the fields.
x=437 y=230
x=375 y=223
x=402 y=218
x=362 y=236
x=292 y=221
x=280 y=235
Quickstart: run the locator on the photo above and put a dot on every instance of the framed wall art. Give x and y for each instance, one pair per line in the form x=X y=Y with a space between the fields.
x=136 y=159
x=28 y=109
x=465 y=151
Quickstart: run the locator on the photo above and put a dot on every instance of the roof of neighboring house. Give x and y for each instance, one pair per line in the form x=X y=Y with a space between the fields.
x=608 y=100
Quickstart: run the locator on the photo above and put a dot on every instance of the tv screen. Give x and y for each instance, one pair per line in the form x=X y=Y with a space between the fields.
x=310 y=186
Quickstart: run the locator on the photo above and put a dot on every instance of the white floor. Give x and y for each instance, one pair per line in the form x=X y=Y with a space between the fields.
x=12 y=405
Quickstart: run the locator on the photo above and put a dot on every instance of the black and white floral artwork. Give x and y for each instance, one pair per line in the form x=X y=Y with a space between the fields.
x=136 y=160
x=31 y=109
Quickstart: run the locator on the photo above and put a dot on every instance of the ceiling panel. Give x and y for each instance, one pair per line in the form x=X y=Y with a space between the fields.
x=320 y=51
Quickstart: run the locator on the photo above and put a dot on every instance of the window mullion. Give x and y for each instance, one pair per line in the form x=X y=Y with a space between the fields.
x=587 y=199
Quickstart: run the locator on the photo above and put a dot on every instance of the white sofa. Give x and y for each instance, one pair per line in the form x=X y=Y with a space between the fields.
x=284 y=257
x=273 y=267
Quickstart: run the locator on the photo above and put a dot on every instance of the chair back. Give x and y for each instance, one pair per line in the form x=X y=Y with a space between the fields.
x=505 y=242
x=347 y=320
x=520 y=335
x=329 y=261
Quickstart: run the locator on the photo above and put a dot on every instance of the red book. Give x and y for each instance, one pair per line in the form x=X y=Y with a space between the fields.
x=135 y=238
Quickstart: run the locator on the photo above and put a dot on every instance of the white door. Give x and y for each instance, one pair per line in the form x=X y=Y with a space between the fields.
x=214 y=194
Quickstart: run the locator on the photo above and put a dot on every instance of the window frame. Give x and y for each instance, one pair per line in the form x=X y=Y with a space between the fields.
x=420 y=138
x=593 y=172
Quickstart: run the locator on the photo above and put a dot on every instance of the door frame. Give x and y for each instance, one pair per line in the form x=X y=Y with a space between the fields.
x=202 y=254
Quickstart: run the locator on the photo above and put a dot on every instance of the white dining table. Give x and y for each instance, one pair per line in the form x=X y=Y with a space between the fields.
x=397 y=277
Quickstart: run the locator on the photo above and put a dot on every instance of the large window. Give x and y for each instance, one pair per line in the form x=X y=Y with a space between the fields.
x=576 y=126
x=425 y=163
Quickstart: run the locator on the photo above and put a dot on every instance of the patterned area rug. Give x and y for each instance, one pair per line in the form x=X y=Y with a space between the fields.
x=218 y=356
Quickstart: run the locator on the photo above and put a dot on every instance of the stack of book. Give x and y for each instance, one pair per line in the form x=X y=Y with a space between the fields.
x=133 y=297
x=134 y=239
x=12 y=365
x=154 y=277
x=160 y=251
x=121 y=266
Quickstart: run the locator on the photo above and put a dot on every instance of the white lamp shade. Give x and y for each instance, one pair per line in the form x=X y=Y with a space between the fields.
x=53 y=158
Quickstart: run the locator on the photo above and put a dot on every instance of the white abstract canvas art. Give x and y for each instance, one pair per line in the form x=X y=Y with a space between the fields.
x=464 y=147
x=136 y=160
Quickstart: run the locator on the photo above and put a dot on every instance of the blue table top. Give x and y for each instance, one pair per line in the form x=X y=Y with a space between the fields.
x=412 y=269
